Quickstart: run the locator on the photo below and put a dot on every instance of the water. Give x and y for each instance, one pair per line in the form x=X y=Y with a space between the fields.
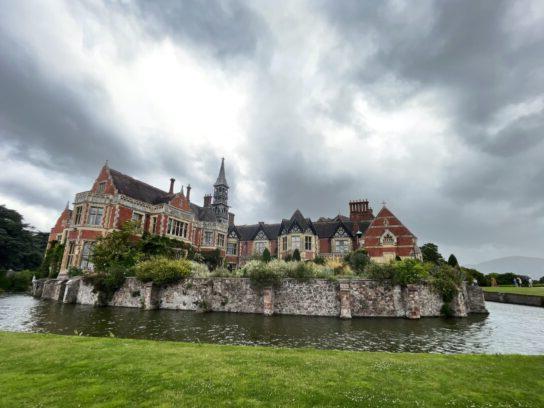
x=508 y=328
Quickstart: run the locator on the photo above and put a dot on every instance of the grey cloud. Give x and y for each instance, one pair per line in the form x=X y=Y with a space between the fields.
x=227 y=28
x=65 y=120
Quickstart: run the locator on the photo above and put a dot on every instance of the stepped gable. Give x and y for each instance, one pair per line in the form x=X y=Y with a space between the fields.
x=137 y=189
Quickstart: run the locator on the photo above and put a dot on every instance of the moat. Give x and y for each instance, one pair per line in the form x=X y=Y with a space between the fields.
x=507 y=329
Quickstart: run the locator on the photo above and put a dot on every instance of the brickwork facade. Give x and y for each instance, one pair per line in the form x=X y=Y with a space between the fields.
x=115 y=198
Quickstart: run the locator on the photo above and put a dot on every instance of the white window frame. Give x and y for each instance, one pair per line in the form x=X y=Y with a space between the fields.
x=96 y=218
x=308 y=239
x=295 y=242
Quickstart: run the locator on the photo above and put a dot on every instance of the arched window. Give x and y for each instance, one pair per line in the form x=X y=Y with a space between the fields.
x=388 y=239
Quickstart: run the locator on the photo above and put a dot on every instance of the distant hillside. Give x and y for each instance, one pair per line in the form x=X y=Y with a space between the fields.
x=521 y=265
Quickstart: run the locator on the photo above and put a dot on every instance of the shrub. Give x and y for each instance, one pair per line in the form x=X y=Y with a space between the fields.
x=452 y=261
x=106 y=283
x=73 y=271
x=409 y=271
x=319 y=260
x=301 y=271
x=296 y=255
x=264 y=274
x=199 y=270
x=446 y=281
x=266 y=255
x=222 y=272
x=213 y=258
x=358 y=260
x=379 y=271
x=161 y=270
x=472 y=274
x=16 y=281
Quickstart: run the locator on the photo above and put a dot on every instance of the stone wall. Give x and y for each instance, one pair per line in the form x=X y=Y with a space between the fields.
x=349 y=298
x=528 y=300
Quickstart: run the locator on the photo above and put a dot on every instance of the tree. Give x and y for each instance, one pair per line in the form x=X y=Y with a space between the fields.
x=296 y=255
x=266 y=256
x=430 y=254
x=117 y=249
x=20 y=246
x=452 y=261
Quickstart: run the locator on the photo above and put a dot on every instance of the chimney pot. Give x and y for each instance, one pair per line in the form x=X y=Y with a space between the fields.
x=172 y=181
x=188 y=192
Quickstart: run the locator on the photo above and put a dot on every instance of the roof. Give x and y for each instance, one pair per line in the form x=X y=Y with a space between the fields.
x=203 y=213
x=137 y=189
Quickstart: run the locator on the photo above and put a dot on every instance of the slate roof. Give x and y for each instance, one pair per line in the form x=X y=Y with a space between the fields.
x=137 y=189
x=203 y=213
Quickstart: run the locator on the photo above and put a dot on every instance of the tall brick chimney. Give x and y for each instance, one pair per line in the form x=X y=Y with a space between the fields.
x=188 y=192
x=360 y=211
x=207 y=200
x=231 y=218
x=172 y=181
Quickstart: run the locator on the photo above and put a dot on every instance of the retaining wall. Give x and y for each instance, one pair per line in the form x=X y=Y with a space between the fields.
x=346 y=299
x=528 y=300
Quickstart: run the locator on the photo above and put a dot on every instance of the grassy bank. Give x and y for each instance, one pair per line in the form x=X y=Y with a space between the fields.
x=535 y=291
x=50 y=370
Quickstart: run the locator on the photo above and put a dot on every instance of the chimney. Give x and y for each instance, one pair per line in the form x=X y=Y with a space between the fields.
x=171 y=191
x=231 y=218
x=207 y=200
x=360 y=211
x=188 y=192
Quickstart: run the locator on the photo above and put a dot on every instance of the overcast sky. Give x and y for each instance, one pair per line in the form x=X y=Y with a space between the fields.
x=436 y=108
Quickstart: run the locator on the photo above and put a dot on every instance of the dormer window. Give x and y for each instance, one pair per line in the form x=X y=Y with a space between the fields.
x=101 y=187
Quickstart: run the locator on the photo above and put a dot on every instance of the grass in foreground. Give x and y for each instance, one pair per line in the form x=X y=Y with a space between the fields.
x=535 y=291
x=51 y=370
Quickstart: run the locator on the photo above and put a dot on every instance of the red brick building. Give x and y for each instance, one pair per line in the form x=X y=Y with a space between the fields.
x=116 y=198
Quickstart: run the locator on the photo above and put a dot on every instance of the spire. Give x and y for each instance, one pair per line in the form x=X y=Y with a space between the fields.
x=221 y=179
x=67 y=205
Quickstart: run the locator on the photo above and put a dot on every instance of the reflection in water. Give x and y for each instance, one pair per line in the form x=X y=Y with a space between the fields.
x=508 y=328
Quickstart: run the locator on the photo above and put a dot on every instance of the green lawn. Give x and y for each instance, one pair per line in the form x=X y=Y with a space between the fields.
x=538 y=291
x=50 y=370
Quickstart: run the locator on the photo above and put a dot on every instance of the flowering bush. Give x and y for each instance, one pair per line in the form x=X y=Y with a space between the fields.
x=265 y=274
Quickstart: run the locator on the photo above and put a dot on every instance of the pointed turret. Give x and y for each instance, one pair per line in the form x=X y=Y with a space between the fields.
x=221 y=194
x=221 y=179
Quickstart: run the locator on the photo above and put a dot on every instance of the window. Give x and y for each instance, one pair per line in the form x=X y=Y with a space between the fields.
x=137 y=218
x=388 y=239
x=220 y=240
x=341 y=245
x=71 y=251
x=295 y=242
x=101 y=187
x=153 y=227
x=284 y=243
x=259 y=247
x=177 y=228
x=95 y=215
x=77 y=217
x=86 y=255
x=308 y=243
x=208 y=238
x=231 y=248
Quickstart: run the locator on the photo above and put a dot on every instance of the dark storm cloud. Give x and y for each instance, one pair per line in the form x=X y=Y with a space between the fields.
x=226 y=28
x=64 y=120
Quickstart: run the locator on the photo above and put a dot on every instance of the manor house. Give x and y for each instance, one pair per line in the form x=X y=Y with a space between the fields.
x=116 y=198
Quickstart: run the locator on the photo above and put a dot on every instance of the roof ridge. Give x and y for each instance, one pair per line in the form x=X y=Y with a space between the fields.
x=139 y=181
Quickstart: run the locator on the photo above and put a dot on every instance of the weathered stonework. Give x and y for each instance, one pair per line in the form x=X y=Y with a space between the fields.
x=345 y=299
